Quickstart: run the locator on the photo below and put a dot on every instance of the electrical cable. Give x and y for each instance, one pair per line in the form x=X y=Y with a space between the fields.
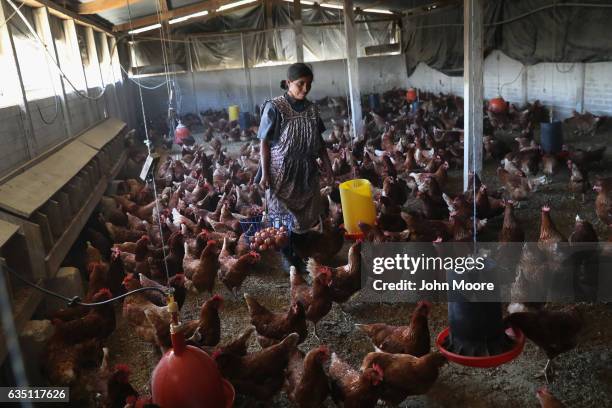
x=148 y=144
x=75 y=300
x=5 y=22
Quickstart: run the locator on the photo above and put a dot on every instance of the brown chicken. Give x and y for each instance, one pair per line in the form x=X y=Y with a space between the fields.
x=353 y=388
x=202 y=272
x=307 y=384
x=276 y=326
x=511 y=230
x=547 y=400
x=233 y=270
x=603 y=201
x=177 y=282
x=578 y=182
x=97 y=281
x=550 y=237
x=261 y=374
x=517 y=187
x=134 y=307
x=316 y=298
x=99 y=323
x=346 y=279
x=208 y=328
x=405 y=374
x=413 y=339
x=119 y=387
x=322 y=245
x=555 y=332
x=63 y=363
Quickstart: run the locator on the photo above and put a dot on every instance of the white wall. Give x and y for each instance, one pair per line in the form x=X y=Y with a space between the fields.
x=218 y=89
x=559 y=86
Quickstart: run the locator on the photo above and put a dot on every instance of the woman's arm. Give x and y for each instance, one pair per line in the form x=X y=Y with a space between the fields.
x=264 y=152
x=326 y=164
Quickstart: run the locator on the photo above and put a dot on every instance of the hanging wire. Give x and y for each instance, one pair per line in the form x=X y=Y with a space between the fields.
x=148 y=144
x=5 y=22
x=52 y=58
x=76 y=300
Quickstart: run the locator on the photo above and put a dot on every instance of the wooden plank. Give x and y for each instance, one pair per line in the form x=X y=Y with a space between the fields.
x=45 y=228
x=353 y=68
x=28 y=191
x=97 y=6
x=210 y=6
x=473 y=88
x=103 y=134
x=65 y=14
x=7 y=230
x=73 y=197
x=64 y=201
x=33 y=242
x=63 y=245
x=54 y=214
x=118 y=166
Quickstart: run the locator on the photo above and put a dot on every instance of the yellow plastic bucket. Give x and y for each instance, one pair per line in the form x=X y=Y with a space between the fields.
x=234 y=112
x=357 y=204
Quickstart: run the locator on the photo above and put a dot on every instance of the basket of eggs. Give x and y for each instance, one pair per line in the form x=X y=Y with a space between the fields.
x=268 y=231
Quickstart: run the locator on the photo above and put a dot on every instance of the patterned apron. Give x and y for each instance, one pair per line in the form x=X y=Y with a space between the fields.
x=294 y=173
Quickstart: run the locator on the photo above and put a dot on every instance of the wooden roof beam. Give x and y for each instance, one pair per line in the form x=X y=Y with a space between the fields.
x=210 y=6
x=98 y=6
x=65 y=14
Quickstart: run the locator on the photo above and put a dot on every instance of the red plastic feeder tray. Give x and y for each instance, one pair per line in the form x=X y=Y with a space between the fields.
x=353 y=237
x=488 y=361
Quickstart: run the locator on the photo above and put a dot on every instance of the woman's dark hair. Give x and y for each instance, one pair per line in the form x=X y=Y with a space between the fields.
x=295 y=71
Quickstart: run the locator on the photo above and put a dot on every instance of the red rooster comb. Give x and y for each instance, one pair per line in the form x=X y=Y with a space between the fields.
x=123 y=372
x=145 y=238
x=129 y=277
x=216 y=354
x=324 y=352
x=104 y=292
x=211 y=242
x=542 y=391
x=217 y=298
x=131 y=400
x=378 y=370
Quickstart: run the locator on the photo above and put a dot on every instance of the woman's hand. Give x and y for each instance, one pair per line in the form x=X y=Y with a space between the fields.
x=329 y=178
x=264 y=182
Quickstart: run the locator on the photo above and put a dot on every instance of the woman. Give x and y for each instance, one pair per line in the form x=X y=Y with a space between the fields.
x=291 y=142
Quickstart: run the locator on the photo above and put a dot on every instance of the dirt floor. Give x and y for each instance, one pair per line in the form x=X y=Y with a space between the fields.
x=584 y=376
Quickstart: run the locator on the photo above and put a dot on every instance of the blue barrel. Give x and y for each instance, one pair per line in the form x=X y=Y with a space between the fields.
x=374 y=101
x=244 y=120
x=551 y=137
x=416 y=105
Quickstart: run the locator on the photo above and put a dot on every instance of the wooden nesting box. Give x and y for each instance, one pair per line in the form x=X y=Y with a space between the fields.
x=52 y=199
x=14 y=255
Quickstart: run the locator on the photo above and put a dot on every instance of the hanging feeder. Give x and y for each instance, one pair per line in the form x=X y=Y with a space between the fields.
x=477 y=335
x=411 y=95
x=182 y=135
x=498 y=105
x=187 y=377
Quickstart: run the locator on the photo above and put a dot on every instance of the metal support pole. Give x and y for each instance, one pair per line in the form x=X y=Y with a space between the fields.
x=353 y=68
x=473 y=87
x=247 y=76
x=298 y=29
